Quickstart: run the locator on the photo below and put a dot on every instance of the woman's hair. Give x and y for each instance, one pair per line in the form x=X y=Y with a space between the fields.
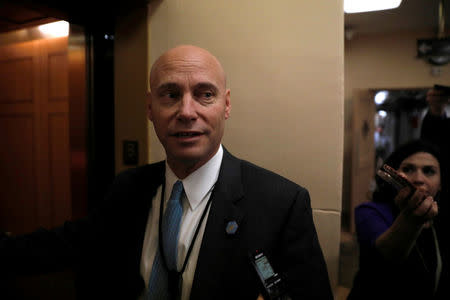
x=384 y=192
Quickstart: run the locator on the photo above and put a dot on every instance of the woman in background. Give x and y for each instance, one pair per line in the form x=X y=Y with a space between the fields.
x=402 y=235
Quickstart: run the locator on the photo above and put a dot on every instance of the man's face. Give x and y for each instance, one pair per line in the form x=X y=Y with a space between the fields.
x=188 y=106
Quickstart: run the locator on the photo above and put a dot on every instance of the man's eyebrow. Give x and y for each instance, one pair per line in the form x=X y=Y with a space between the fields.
x=206 y=85
x=166 y=86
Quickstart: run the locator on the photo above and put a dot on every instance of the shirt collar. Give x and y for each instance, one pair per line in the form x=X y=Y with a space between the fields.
x=199 y=183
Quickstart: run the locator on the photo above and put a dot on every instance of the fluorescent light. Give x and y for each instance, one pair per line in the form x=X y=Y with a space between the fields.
x=380 y=97
x=382 y=113
x=356 y=6
x=55 y=29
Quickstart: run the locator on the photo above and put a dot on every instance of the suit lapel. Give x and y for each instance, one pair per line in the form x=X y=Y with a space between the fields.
x=148 y=179
x=227 y=193
x=217 y=245
x=147 y=184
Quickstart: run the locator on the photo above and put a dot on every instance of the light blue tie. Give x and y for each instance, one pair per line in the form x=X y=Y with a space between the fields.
x=158 y=287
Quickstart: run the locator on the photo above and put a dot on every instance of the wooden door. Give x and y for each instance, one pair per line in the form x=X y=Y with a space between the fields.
x=363 y=150
x=34 y=130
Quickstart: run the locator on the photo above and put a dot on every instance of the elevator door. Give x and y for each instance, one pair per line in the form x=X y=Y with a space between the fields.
x=34 y=131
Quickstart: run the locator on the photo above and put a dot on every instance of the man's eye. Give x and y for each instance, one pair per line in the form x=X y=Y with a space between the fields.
x=206 y=95
x=170 y=95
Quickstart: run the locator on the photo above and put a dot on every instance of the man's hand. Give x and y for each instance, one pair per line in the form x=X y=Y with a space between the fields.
x=260 y=297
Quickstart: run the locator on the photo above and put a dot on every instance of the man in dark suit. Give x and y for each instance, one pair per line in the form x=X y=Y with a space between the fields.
x=436 y=124
x=230 y=208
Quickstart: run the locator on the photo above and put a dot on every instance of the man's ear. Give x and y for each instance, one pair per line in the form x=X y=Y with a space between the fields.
x=149 y=106
x=227 y=104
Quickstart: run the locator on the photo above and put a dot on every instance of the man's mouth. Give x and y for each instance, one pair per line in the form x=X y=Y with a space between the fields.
x=186 y=134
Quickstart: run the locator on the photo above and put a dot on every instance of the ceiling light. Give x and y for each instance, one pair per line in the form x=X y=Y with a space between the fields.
x=382 y=113
x=357 y=6
x=55 y=29
x=380 y=97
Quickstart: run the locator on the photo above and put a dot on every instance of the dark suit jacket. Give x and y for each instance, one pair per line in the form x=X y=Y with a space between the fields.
x=273 y=215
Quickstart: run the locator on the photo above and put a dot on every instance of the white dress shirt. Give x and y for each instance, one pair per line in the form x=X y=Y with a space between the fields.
x=197 y=190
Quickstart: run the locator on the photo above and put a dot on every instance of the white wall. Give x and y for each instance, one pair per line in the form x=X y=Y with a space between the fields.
x=130 y=84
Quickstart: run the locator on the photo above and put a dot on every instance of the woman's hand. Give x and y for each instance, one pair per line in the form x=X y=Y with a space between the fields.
x=418 y=208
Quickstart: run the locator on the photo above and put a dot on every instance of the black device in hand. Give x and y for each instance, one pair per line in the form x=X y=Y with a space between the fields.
x=391 y=176
x=273 y=287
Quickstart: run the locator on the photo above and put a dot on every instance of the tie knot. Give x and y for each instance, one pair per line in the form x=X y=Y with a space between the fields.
x=177 y=190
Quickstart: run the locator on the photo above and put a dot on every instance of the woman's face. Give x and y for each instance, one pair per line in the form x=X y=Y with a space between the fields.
x=423 y=170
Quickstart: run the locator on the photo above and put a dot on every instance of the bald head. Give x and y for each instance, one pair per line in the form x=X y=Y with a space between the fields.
x=186 y=57
x=188 y=104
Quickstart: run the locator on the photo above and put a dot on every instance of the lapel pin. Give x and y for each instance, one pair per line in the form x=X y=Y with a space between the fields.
x=232 y=227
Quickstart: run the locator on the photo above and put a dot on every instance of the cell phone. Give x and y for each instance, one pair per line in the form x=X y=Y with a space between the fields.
x=273 y=287
x=391 y=176
x=444 y=88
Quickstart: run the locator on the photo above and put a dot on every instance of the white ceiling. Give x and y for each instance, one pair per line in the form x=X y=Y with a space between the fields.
x=412 y=15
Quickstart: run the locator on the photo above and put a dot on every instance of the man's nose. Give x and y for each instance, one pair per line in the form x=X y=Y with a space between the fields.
x=187 y=108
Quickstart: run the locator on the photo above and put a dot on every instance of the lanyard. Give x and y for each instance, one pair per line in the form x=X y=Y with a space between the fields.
x=437 y=273
x=439 y=260
x=175 y=277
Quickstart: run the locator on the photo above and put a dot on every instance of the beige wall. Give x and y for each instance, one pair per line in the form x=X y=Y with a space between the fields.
x=130 y=84
x=284 y=61
x=383 y=61
x=388 y=61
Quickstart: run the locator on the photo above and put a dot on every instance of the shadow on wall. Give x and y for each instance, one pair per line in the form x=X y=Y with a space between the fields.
x=348 y=261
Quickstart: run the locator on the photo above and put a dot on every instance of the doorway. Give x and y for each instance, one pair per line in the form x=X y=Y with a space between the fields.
x=34 y=125
x=57 y=124
x=382 y=120
x=398 y=118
